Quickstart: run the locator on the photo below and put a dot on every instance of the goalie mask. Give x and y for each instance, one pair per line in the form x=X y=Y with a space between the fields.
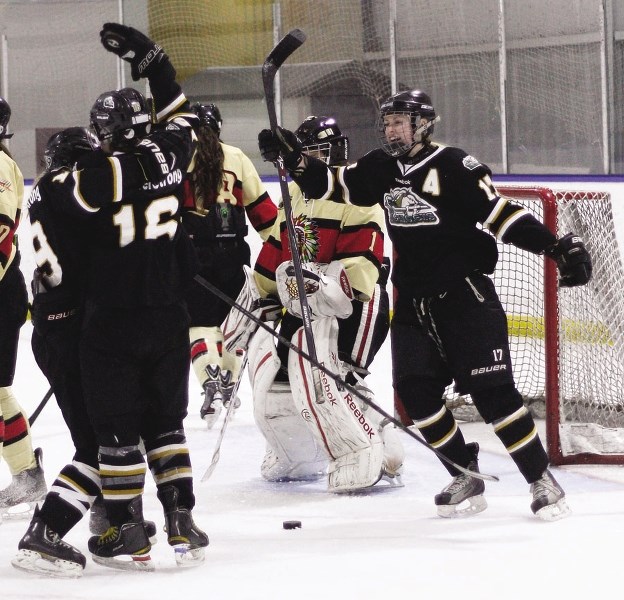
x=5 y=117
x=121 y=118
x=209 y=116
x=321 y=137
x=65 y=147
x=400 y=111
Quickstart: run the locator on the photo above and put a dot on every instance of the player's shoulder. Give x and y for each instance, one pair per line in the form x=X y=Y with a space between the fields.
x=454 y=156
x=372 y=159
x=233 y=151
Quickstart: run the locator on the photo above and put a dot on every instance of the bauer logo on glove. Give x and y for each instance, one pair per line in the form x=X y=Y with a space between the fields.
x=573 y=260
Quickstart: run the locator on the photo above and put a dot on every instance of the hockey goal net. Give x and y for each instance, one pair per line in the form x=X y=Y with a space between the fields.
x=567 y=344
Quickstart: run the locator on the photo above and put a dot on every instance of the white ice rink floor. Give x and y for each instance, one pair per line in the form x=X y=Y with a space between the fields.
x=388 y=544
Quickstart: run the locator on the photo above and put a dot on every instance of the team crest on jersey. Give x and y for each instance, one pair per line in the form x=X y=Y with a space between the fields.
x=470 y=162
x=408 y=209
x=307 y=238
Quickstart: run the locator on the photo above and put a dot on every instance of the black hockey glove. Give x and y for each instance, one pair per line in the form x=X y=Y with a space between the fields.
x=573 y=260
x=131 y=45
x=282 y=142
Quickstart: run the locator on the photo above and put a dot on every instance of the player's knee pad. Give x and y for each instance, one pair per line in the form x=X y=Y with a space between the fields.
x=292 y=450
x=8 y=403
x=498 y=402
x=350 y=437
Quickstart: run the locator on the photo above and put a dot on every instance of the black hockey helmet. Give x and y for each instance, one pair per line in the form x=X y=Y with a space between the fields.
x=322 y=135
x=65 y=147
x=417 y=105
x=209 y=116
x=5 y=117
x=121 y=118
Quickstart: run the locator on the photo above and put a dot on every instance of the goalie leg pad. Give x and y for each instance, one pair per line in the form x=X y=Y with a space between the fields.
x=394 y=453
x=292 y=450
x=350 y=438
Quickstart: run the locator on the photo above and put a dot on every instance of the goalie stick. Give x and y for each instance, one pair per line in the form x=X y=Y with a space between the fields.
x=284 y=48
x=339 y=380
x=216 y=455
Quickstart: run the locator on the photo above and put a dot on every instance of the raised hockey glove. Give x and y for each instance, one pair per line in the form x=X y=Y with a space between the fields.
x=283 y=142
x=143 y=54
x=573 y=260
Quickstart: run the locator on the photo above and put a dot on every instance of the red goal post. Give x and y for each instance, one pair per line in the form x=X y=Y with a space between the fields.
x=567 y=344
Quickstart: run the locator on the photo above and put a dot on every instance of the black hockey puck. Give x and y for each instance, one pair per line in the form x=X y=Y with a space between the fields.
x=291 y=524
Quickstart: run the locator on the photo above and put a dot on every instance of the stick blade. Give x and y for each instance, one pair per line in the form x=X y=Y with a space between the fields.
x=283 y=49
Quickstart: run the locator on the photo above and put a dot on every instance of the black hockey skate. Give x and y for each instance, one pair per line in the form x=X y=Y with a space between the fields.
x=99 y=523
x=126 y=546
x=548 y=498
x=42 y=551
x=213 y=399
x=463 y=497
x=187 y=540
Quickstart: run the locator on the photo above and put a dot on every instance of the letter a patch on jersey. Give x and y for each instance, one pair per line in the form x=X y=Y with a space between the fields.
x=408 y=209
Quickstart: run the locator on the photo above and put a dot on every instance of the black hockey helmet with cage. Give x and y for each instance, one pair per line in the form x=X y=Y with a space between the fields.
x=121 y=118
x=5 y=117
x=323 y=136
x=209 y=116
x=65 y=147
x=417 y=105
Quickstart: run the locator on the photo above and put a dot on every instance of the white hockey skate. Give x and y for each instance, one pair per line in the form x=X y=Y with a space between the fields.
x=28 y=488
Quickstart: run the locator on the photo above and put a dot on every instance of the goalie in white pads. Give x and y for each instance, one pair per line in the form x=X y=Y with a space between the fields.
x=341 y=248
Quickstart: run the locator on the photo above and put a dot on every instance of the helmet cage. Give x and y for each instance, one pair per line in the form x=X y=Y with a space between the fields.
x=417 y=106
x=322 y=137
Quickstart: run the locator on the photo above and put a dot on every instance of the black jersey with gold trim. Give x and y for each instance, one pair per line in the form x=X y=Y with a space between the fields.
x=437 y=208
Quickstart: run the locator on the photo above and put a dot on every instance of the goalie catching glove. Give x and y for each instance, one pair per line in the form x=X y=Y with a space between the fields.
x=327 y=287
x=131 y=45
x=573 y=260
x=238 y=328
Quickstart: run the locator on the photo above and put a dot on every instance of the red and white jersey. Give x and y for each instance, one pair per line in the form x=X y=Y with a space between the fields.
x=326 y=231
x=11 y=199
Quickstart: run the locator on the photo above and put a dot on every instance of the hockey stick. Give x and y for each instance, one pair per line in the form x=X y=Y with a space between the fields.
x=339 y=380
x=285 y=47
x=39 y=408
x=216 y=455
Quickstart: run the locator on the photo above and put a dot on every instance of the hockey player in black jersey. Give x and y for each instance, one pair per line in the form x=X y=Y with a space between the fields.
x=134 y=355
x=60 y=244
x=448 y=320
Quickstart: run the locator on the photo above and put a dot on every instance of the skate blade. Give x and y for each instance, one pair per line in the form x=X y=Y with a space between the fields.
x=34 y=562
x=185 y=556
x=212 y=418
x=467 y=508
x=126 y=562
x=18 y=512
x=554 y=512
